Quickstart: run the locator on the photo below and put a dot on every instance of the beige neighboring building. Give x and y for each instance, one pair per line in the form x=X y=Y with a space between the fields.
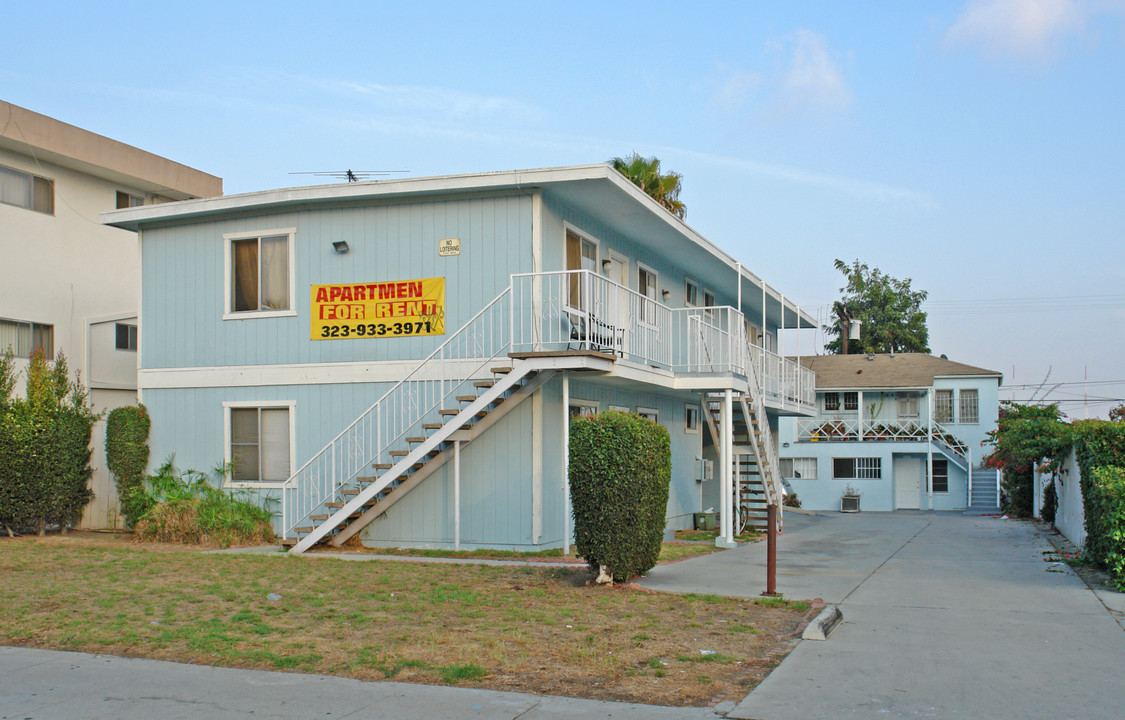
x=68 y=282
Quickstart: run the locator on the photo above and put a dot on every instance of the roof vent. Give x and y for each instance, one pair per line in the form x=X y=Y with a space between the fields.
x=944 y=356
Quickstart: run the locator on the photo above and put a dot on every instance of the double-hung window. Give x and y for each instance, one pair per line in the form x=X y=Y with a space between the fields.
x=27 y=191
x=691 y=293
x=939 y=472
x=260 y=278
x=907 y=404
x=798 y=468
x=969 y=407
x=260 y=441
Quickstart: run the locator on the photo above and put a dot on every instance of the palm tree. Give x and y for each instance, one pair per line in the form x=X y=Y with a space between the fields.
x=645 y=174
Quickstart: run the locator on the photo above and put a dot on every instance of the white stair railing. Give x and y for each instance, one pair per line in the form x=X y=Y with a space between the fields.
x=465 y=356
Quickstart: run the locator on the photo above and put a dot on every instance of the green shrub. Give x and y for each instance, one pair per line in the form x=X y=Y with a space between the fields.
x=44 y=446
x=185 y=507
x=126 y=456
x=1105 y=521
x=1050 y=502
x=620 y=470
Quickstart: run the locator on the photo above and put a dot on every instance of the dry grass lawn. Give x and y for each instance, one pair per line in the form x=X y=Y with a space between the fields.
x=509 y=628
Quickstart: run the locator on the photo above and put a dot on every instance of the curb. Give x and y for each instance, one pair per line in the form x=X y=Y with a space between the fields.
x=824 y=623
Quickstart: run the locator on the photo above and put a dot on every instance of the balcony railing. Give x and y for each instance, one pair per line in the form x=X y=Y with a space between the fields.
x=582 y=310
x=852 y=430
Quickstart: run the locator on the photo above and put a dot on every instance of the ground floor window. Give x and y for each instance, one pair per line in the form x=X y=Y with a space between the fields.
x=648 y=413
x=864 y=468
x=260 y=442
x=691 y=418
x=582 y=408
x=939 y=472
x=798 y=468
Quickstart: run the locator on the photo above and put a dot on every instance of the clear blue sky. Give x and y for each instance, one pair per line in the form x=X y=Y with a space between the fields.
x=975 y=146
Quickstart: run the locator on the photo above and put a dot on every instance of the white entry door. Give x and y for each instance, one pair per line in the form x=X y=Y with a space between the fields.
x=618 y=272
x=908 y=482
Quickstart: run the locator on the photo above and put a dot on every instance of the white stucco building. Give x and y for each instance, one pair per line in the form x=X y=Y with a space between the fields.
x=69 y=283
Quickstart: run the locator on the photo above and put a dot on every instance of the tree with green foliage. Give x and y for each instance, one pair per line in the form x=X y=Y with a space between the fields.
x=620 y=471
x=1026 y=437
x=44 y=447
x=1117 y=414
x=890 y=312
x=126 y=455
x=646 y=174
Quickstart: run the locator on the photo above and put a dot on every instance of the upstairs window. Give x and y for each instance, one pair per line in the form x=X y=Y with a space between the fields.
x=27 y=191
x=709 y=302
x=646 y=286
x=26 y=338
x=969 y=410
x=125 y=200
x=126 y=337
x=907 y=404
x=260 y=277
x=831 y=401
x=581 y=254
x=691 y=293
x=851 y=401
x=943 y=406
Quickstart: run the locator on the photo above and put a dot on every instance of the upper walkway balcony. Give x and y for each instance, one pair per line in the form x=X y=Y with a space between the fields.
x=581 y=310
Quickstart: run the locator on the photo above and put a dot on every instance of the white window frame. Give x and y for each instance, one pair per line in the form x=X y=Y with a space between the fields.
x=132 y=199
x=229 y=312
x=228 y=455
x=904 y=396
x=650 y=413
x=133 y=339
x=582 y=237
x=863 y=468
x=939 y=393
x=584 y=407
x=688 y=284
x=934 y=475
x=619 y=408
x=975 y=416
x=648 y=303
x=792 y=465
x=689 y=426
x=32 y=327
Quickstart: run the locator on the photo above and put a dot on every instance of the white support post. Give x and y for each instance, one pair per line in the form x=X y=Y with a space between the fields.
x=726 y=453
x=859 y=414
x=740 y=287
x=930 y=448
x=566 y=461
x=969 y=472
x=456 y=494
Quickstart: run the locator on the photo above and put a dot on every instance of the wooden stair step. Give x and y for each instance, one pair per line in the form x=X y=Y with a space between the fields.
x=367 y=478
x=334 y=505
x=399 y=453
x=432 y=426
x=349 y=492
x=382 y=466
x=318 y=518
x=501 y=370
x=466 y=398
x=417 y=439
x=484 y=383
x=448 y=412
x=287 y=542
x=303 y=530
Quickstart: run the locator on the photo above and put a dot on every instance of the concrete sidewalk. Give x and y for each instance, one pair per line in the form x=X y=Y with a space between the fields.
x=945 y=616
x=49 y=685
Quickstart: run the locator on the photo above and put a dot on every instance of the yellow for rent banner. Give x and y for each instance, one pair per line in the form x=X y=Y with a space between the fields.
x=376 y=310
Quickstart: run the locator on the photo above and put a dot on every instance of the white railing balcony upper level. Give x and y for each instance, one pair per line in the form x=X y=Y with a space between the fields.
x=874 y=430
x=582 y=310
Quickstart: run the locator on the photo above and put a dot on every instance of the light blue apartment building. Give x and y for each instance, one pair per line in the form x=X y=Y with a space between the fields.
x=400 y=358
x=908 y=431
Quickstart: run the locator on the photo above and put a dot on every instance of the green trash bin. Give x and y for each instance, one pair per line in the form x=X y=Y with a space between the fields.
x=705 y=520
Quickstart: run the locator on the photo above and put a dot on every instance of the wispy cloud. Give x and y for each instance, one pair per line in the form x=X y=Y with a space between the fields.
x=813 y=78
x=1022 y=30
x=434 y=101
x=837 y=183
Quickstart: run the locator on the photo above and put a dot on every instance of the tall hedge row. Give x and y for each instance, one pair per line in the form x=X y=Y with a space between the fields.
x=44 y=446
x=126 y=454
x=620 y=470
x=1099 y=448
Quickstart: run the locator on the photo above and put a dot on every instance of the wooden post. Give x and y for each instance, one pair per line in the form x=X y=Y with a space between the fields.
x=771 y=551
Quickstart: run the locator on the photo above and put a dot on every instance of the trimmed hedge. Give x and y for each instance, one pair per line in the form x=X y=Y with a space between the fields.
x=126 y=456
x=620 y=471
x=1099 y=449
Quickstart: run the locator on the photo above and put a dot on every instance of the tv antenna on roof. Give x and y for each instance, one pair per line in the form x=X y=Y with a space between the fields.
x=349 y=175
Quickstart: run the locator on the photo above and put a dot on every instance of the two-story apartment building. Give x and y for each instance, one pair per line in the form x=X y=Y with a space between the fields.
x=906 y=431
x=67 y=282
x=400 y=358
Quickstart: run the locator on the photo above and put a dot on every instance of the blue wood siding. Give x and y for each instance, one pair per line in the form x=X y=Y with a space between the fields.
x=184 y=296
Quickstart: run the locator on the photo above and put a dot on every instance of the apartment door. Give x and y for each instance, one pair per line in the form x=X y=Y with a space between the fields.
x=618 y=272
x=908 y=477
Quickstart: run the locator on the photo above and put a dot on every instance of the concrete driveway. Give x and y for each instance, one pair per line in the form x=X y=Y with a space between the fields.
x=945 y=616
